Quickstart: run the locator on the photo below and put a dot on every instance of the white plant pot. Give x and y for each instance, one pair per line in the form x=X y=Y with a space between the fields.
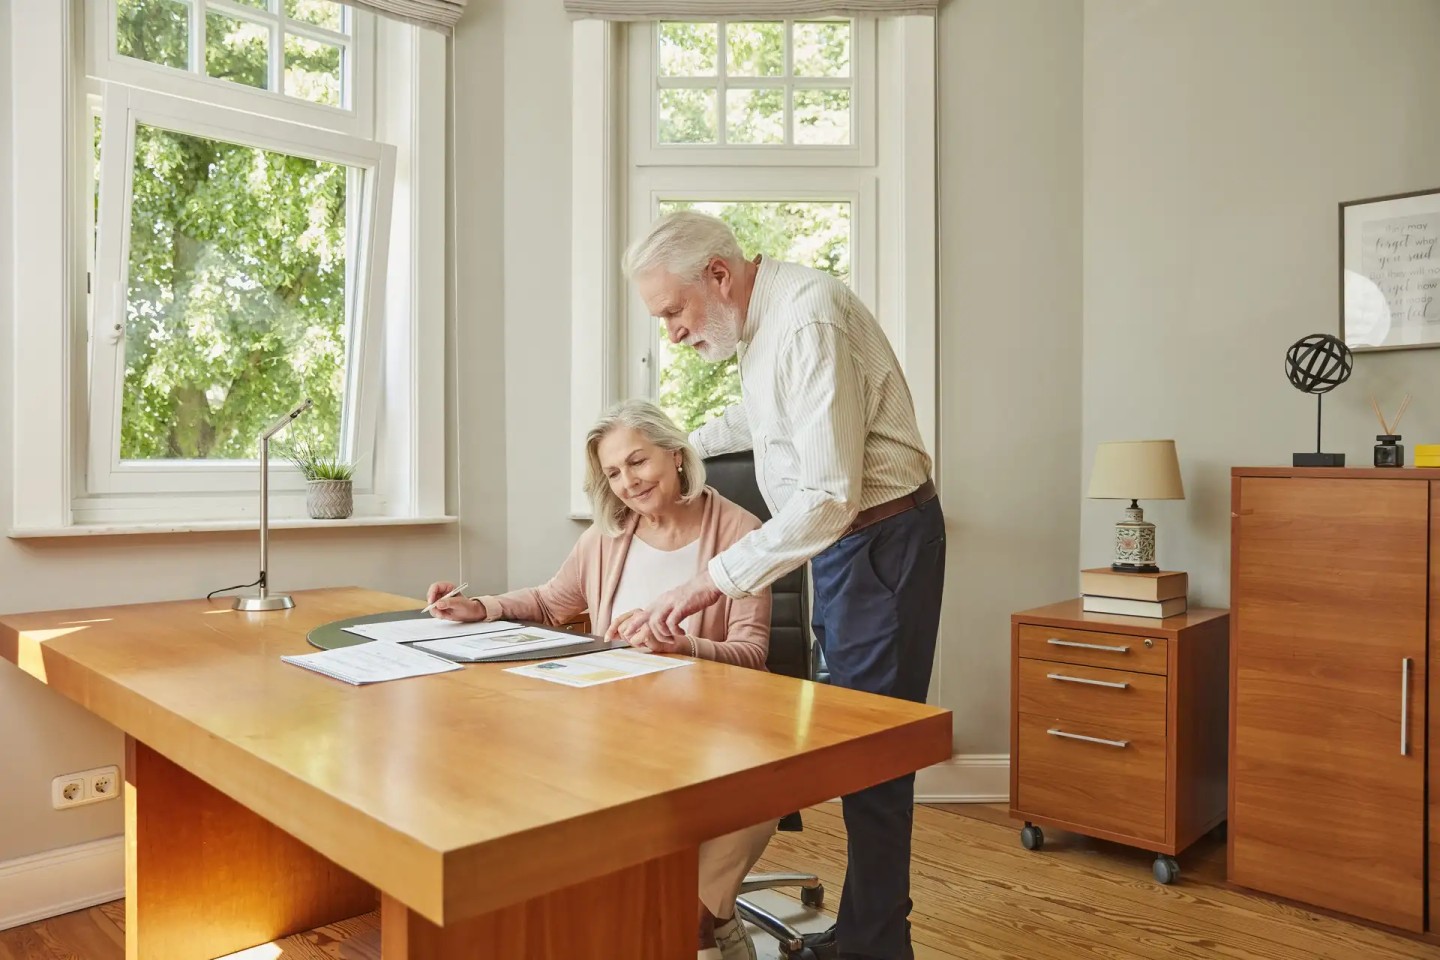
x=330 y=499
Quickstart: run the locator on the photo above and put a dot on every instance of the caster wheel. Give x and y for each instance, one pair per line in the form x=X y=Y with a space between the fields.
x=1166 y=870
x=813 y=897
x=1032 y=837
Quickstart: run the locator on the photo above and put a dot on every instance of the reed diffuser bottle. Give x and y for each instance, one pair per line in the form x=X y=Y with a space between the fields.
x=1389 y=451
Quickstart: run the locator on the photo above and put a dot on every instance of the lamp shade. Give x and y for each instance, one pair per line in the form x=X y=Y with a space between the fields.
x=1136 y=470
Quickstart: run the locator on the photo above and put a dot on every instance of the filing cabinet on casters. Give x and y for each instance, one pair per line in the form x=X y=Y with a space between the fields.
x=1119 y=727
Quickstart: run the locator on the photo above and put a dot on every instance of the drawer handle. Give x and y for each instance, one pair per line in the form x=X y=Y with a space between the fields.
x=1080 y=736
x=1086 y=646
x=1113 y=684
x=1404 y=706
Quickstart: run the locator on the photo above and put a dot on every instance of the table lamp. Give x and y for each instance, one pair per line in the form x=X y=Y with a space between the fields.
x=1135 y=470
x=265 y=600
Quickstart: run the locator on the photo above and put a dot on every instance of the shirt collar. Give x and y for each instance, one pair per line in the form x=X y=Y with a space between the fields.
x=764 y=279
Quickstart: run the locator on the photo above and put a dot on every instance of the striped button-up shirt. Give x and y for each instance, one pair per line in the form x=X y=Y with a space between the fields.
x=828 y=414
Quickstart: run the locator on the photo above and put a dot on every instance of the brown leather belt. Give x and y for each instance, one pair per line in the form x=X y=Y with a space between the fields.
x=884 y=511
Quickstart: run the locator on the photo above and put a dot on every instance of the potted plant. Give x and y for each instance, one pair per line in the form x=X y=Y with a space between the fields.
x=330 y=494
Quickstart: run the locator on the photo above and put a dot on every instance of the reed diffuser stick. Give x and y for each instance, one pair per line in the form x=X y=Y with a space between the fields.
x=1384 y=427
x=1404 y=405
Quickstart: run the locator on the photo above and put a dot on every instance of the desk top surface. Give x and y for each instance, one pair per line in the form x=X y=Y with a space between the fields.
x=466 y=791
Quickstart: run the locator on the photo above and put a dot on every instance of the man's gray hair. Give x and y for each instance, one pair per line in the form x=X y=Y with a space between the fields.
x=653 y=424
x=684 y=243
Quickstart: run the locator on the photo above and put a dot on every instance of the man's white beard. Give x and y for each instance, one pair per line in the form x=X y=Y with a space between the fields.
x=722 y=332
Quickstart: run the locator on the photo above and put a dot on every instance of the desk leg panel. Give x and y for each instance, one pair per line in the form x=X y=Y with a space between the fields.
x=646 y=912
x=205 y=877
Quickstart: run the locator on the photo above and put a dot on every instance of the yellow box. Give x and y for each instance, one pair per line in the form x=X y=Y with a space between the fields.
x=1427 y=449
x=1427 y=461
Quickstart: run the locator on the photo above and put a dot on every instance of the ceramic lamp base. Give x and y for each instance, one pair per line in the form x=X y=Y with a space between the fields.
x=1134 y=543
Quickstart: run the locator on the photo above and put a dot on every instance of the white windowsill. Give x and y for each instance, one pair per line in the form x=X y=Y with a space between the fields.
x=213 y=526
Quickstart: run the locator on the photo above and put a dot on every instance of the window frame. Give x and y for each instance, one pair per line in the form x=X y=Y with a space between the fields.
x=905 y=298
x=50 y=152
x=644 y=83
x=367 y=235
x=358 y=63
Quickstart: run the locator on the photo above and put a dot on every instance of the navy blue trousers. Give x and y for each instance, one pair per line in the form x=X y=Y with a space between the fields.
x=877 y=610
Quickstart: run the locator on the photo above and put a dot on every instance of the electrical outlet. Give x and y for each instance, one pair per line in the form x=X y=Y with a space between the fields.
x=87 y=786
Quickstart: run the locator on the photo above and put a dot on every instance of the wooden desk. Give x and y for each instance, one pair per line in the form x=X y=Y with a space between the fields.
x=494 y=816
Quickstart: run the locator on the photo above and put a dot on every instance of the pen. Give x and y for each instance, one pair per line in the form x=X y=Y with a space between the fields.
x=447 y=596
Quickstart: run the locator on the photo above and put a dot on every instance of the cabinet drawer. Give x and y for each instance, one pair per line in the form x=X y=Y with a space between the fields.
x=1134 y=702
x=1117 y=651
x=1117 y=786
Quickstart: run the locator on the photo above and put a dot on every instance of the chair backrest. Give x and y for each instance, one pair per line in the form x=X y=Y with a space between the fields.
x=733 y=474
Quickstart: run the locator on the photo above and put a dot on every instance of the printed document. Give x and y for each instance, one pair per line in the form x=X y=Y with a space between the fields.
x=427 y=628
x=372 y=663
x=590 y=669
x=500 y=643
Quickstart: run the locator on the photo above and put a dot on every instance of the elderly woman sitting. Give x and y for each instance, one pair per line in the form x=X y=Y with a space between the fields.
x=656 y=525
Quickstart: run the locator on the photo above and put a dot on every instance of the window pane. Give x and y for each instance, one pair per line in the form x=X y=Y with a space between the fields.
x=688 y=49
x=322 y=13
x=153 y=30
x=687 y=116
x=822 y=49
x=812 y=232
x=237 y=50
x=257 y=4
x=755 y=49
x=822 y=117
x=237 y=299
x=312 y=70
x=755 y=116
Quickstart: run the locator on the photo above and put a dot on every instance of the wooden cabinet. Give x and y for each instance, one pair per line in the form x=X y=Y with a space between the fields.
x=1333 y=594
x=1118 y=727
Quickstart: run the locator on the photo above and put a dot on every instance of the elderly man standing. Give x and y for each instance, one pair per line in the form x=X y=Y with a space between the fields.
x=841 y=465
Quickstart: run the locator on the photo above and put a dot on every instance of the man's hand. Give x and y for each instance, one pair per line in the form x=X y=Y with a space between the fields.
x=663 y=617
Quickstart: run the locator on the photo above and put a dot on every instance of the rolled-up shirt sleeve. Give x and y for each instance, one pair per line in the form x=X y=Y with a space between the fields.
x=819 y=382
x=727 y=433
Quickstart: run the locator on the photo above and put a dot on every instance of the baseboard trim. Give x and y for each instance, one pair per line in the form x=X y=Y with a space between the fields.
x=965 y=778
x=58 y=881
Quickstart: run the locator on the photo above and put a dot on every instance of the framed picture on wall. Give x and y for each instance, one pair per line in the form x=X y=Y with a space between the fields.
x=1390 y=272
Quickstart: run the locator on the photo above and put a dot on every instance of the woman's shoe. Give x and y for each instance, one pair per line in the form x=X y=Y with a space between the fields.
x=734 y=940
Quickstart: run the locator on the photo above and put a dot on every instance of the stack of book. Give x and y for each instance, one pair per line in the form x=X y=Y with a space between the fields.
x=1156 y=595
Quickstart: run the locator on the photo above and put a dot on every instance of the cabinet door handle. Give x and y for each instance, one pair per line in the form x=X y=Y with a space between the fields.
x=1404 y=706
x=1116 y=685
x=1080 y=736
x=1086 y=646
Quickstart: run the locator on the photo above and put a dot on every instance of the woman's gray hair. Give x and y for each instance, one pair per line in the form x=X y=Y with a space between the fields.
x=684 y=243
x=653 y=424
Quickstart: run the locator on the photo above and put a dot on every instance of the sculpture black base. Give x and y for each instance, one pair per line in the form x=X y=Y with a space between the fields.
x=1318 y=460
x=1120 y=567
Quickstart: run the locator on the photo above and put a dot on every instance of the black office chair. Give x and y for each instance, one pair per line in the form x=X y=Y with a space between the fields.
x=791 y=654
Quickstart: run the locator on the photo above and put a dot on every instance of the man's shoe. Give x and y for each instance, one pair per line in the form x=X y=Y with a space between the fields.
x=734 y=940
x=822 y=944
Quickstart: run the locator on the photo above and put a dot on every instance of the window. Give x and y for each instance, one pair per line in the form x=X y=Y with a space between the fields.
x=814 y=139
x=248 y=225
x=796 y=111
x=233 y=278
x=306 y=60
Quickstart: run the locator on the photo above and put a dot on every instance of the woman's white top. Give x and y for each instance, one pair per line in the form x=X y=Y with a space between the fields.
x=649 y=572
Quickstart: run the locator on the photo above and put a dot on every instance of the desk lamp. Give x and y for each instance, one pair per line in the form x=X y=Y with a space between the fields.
x=1135 y=470
x=264 y=600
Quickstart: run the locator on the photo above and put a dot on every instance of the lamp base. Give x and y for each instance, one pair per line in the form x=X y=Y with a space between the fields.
x=275 y=601
x=1317 y=460
x=1120 y=567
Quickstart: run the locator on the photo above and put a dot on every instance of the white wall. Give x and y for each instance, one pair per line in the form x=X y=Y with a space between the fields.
x=43 y=734
x=1010 y=208
x=1219 y=139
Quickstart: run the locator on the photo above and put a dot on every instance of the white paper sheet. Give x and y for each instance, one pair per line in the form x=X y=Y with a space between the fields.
x=590 y=669
x=500 y=643
x=427 y=628
x=372 y=663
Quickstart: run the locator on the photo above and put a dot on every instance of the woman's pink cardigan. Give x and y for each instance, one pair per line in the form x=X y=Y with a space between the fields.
x=732 y=631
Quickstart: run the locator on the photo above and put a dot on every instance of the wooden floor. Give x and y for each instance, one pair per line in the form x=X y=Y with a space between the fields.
x=977 y=892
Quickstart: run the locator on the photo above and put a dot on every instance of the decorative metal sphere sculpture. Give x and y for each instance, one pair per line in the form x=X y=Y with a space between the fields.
x=1318 y=364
